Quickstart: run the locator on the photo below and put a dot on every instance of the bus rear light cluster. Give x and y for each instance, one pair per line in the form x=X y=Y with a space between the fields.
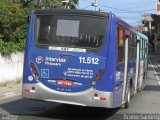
x=32 y=65
x=34 y=71
x=101 y=71
x=29 y=91
x=96 y=97
x=98 y=77
x=26 y=90
x=102 y=98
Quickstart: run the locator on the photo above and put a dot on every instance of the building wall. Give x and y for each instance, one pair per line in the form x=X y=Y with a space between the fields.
x=11 y=67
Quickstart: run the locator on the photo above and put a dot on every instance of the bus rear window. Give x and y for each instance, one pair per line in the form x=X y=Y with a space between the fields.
x=70 y=31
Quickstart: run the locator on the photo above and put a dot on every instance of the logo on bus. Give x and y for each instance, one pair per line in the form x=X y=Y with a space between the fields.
x=45 y=73
x=39 y=59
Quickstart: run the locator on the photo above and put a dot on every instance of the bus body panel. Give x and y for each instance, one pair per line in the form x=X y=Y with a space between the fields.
x=53 y=70
x=84 y=98
x=112 y=64
x=26 y=69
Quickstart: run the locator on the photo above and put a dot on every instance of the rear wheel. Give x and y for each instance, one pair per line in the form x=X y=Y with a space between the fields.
x=128 y=96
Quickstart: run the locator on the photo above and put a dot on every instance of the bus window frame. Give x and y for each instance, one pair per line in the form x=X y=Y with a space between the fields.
x=122 y=46
x=132 y=47
x=88 y=49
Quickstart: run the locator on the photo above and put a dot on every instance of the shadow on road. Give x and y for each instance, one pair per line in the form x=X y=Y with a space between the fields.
x=69 y=112
x=50 y=110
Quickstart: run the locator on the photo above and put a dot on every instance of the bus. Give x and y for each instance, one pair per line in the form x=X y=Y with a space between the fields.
x=81 y=57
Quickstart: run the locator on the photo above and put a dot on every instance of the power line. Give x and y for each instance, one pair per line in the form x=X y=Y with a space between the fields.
x=86 y=7
x=123 y=10
x=135 y=3
x=139 y=5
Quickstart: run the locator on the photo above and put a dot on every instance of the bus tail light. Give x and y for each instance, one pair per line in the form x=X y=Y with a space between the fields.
x=101 y=71
x=26 y=90
x=32 y=65
x=98 y=77
x=34 y=71
x=30 y=91
x=96 y=97
x=102 y=98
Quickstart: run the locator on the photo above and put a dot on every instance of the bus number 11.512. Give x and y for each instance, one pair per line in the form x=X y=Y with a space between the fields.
x=89 y=60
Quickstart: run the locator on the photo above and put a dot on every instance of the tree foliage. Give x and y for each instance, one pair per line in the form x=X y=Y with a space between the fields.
x=13 y=26
x=13 y=21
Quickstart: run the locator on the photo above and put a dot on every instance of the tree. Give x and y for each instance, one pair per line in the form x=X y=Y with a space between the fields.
x=52 y=3
x=12 y=26
x=73 y=3
x=13 y=20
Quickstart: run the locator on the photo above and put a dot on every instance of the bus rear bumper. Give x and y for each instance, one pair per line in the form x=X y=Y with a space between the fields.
x=90 y=97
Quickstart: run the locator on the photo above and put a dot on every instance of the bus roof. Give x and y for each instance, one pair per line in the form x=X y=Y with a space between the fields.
x=71 y=11
x=126 y=25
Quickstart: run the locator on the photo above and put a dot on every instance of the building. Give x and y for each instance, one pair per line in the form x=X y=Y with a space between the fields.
x=151 y=27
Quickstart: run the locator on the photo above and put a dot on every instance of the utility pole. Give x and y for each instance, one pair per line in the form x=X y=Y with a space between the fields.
x=65 y=2
x=95 y=4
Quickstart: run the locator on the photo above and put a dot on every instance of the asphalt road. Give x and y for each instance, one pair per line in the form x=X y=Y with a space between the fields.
x=12 y=106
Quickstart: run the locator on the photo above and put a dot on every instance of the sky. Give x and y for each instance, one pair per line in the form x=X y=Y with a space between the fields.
x=130 y=11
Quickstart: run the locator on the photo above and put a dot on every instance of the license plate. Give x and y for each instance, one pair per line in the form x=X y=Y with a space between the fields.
x=64 y=82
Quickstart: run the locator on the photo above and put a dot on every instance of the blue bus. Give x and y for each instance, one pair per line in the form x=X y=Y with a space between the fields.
x=81 y=57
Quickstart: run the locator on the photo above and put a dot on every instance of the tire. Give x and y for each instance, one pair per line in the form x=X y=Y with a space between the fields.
x=128 y=96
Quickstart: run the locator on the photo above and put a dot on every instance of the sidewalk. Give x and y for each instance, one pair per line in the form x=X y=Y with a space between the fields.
x=10 y=89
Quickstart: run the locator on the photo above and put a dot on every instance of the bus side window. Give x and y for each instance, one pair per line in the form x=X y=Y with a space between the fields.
x=132 y=47
x=145 y=49
x=121 y=52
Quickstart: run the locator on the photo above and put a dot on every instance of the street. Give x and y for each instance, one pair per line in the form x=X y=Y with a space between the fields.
x=145 y=102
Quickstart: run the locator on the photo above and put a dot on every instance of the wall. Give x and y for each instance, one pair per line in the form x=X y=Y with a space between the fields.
x=11 y=67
